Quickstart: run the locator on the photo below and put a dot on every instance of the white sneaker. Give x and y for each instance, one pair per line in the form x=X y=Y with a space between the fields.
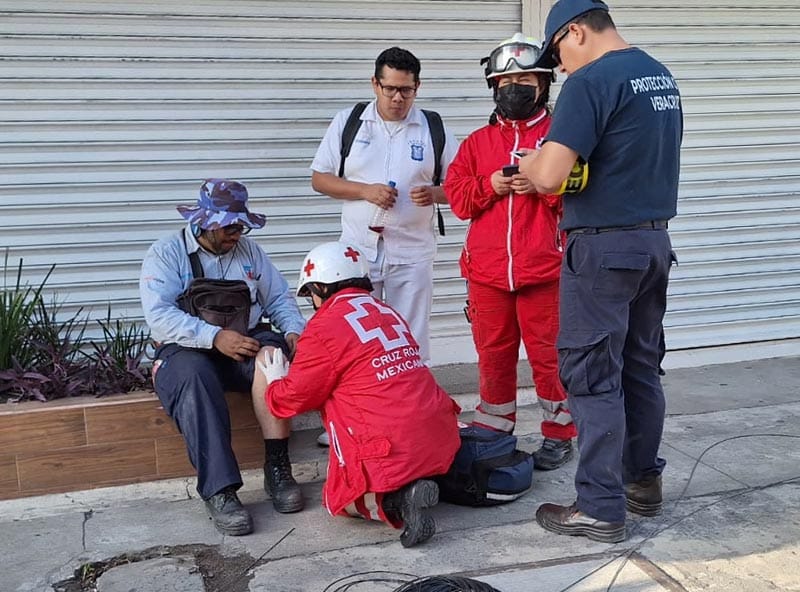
x=323 y=439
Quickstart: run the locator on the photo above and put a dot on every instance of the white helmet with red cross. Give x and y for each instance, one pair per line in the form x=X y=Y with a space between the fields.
x=329 y=263
x=511 y=56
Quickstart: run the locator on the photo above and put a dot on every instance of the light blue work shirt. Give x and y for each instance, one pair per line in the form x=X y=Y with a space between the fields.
x=166 y=273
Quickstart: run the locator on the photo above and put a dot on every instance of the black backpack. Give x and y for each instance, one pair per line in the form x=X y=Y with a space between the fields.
x=436 y=127
x=488 y=470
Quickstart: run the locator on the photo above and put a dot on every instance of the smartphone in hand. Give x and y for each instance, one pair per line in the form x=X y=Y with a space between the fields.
x=510 y=170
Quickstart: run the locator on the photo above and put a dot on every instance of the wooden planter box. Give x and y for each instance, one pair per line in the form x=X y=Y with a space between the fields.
x=83 y=443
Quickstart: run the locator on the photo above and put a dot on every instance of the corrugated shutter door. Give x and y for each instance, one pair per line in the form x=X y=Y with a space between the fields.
x=114 y=111
x=738 y=223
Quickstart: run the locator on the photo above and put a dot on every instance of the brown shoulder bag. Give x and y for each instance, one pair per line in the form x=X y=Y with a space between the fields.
x=224 y=303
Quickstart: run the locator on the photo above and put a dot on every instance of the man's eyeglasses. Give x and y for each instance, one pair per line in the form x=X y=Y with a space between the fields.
x=390 y=91
x=555 y=51
x=233 y=229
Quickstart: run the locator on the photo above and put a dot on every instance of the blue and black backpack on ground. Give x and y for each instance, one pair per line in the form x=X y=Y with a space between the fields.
x=488 y=470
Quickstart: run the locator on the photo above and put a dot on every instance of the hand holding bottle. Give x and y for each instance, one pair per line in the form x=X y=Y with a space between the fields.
x=380 y=215
x=380 y=195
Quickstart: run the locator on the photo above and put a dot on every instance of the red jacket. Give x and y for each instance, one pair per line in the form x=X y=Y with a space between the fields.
x=389 y=421
x=512 y=240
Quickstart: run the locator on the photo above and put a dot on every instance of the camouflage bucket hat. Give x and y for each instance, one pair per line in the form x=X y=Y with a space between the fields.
x=221 y=204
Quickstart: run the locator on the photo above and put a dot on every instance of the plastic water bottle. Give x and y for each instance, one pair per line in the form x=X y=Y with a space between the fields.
x=380 y=215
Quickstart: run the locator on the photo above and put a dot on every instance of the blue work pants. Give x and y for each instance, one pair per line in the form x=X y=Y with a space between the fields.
x=612 y=303
x=191 y=385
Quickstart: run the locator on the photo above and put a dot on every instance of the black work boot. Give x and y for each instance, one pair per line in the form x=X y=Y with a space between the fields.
x=411 y=505
x=552 y=454
x=228 y=514
x=571 y=521
x=281 y=486
x=644 y=497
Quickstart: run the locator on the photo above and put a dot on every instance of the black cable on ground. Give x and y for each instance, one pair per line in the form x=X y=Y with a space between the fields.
x=452 y=583
x=446 y=584
x=409 y=583
x=750 y=489
x=376 y=576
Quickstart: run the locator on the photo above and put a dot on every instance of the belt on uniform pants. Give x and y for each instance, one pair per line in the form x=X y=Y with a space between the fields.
x=649 y=225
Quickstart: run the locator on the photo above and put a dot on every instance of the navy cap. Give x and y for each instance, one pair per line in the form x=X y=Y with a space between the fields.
x=560 y=14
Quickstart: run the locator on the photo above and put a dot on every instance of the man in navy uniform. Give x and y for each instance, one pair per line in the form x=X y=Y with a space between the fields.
x=619 y=114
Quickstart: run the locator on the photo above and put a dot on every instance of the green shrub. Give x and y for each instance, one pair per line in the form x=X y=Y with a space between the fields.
x=18 y=304
x=117 y=359
x=44 y=354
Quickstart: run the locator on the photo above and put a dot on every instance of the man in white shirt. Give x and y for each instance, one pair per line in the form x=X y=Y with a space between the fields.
x=388 y=176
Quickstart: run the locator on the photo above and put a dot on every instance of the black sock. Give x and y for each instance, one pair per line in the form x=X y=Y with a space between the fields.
x=276 y=449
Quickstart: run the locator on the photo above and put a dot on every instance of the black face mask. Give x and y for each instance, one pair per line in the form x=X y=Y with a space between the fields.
x=516 y=101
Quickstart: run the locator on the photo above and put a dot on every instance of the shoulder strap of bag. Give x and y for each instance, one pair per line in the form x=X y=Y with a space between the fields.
x=194 y=259
x=349 y=132
x=437 y=138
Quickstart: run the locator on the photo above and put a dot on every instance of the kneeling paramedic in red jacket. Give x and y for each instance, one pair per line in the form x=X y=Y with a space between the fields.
x=390 y=425
x=512 y=251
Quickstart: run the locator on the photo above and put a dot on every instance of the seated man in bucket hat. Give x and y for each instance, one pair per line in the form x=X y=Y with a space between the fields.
x=197 y=361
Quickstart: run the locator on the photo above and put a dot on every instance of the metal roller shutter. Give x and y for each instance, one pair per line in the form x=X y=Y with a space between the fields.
x=114 y=111
x=738 y=221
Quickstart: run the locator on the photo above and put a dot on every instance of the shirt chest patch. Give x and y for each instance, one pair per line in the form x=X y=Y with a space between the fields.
x=417 y=151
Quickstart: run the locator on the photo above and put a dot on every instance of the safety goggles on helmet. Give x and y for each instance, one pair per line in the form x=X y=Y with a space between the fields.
x=512 y=57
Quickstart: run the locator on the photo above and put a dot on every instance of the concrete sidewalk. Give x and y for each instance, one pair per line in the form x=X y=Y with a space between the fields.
x=731 y=519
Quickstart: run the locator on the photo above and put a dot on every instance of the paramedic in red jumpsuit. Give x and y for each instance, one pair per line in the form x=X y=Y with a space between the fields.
x=512 y=251
x=390 y=424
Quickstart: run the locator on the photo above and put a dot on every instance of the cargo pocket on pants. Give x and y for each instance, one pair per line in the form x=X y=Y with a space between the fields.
x=584 y=362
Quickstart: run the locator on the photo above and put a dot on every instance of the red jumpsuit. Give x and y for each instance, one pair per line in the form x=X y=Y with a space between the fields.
x=511 y=261
x=388 y=420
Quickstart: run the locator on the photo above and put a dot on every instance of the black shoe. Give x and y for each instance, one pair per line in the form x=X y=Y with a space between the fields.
x=644 y=497
x=552 y=454
x=571 y=521
x=228 y=514
x=411 y=505
x=281 y=486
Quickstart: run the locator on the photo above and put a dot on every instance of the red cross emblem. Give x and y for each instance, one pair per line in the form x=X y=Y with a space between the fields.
x=517 y=51
x=309 y=266
x=382 y=321
x=372 y=320
x=352 y=253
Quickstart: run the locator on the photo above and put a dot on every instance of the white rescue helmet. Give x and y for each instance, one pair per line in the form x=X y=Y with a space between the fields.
x=329 y=263
x=517 y=54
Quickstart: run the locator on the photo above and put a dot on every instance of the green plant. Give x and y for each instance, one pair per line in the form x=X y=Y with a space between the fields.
x=54 y=365
x=18 y=305
x=117 y=359
x=44 y=353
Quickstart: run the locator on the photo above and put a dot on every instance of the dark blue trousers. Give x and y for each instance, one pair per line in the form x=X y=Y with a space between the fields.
x=612 y=302
x=191 y=385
